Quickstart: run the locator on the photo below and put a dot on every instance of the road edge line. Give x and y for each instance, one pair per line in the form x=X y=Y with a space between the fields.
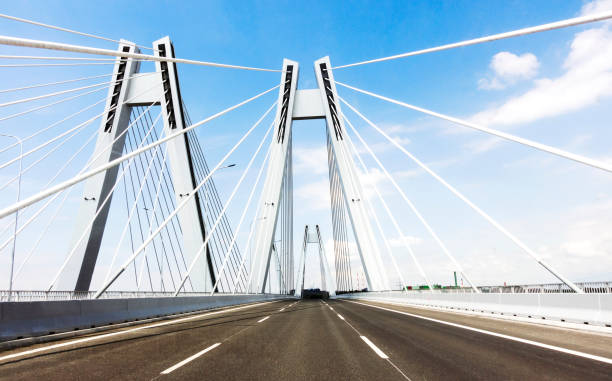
x=500 y=335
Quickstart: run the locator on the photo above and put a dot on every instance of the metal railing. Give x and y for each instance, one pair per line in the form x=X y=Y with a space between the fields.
x=587 y=287
x=32 y=296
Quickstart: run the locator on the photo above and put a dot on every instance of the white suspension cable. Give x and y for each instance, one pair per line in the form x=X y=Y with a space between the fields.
x=378 y=225
x=248 y=241
x=134 y=206
x=224 y=209
x=412 y=207
x=67 y=118
x=52 y=104
x=148 y=221
x=46 y=193
x=101 y=206
x=38 y=97
x=58 y=64
x=108 y=146
x=353 y=179
x=65 y=30
x=490 y=219
x=54 y=83
x=81 y=125
x=542 y=147
x=14 y=41
x=61 y=204
x=55 y=124
x=185 y=199
x=58 y=58
x=43 y=233
x=7 y=227
x=47 y=154
x=150 y=229
x=248 y=204
x=41 y=209
x=520 y=32
x=282 y=282
x=43 y=145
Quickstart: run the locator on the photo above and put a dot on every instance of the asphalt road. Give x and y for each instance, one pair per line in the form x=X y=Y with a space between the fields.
x=311 y=339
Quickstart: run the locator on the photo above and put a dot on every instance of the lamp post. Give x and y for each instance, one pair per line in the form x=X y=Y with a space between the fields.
x=16 y=212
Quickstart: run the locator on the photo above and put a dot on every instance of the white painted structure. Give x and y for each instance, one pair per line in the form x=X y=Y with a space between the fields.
x=321 y=103
x=158 y=88
x=129 y=88
x=328 y=283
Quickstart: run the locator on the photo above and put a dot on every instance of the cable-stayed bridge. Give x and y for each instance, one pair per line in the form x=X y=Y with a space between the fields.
x=116 y=237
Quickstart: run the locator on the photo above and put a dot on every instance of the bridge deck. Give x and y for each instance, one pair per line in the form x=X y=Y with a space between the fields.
x=311 y=339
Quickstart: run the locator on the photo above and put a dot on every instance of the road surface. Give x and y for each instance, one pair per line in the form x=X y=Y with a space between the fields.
x=316 y=340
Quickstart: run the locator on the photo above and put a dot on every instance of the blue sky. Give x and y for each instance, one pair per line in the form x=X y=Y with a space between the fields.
x=553 y=87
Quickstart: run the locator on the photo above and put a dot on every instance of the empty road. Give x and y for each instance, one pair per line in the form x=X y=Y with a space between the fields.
x=319 y=340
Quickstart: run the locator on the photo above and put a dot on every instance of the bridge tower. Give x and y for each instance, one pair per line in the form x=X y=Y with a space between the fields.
x=319 y=103
x=327 y=282
x=160 y=88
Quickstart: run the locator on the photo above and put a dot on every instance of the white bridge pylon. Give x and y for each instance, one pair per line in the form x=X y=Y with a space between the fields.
x=327 y=281
x=158 y=88
x=320 y=103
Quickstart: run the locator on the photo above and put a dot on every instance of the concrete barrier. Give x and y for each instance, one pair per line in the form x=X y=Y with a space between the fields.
x=27 y=319
x=593 y=309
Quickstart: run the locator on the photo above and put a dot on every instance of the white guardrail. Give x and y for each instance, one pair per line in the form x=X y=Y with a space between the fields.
x=36 y=296
x=587 y=287
x=592 y=309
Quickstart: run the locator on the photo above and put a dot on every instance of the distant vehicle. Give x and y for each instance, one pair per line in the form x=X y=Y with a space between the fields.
x=314 y=293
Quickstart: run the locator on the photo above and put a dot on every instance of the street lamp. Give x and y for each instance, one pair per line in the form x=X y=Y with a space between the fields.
x=19 y=141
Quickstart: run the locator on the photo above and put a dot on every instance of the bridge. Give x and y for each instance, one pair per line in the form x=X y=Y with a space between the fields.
x=125 y=254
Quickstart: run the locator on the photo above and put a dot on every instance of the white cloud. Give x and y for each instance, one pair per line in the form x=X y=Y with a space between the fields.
x=589 y=235
x=491 y=84
x=483 y=145
x=509 y=68
x=380 y=146
x=375 y=178
x=595 y=7
x=315 y=195
x=396 y=128
x=583 y=252
x=310 y=160
x=394 y=132
x=587 y=78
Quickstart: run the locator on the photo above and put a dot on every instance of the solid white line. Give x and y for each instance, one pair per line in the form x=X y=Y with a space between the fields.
x=264 y=319
x=513 y=338
x=93 y=338
x=340 y=316
x=189 y=359
x=282 y=309
x=380 y=353
x=331 y=308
